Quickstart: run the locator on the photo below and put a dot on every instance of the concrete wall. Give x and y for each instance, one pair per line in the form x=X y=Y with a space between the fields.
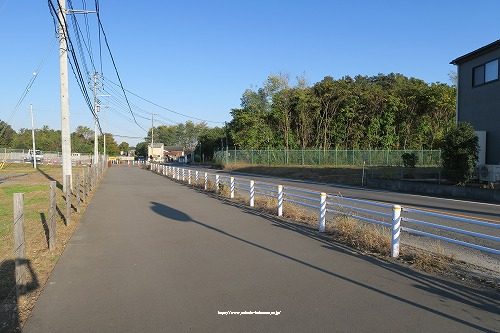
x=459 y=192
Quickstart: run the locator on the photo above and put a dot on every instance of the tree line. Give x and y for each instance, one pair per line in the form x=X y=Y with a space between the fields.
x=379 y=112
x=46 y=139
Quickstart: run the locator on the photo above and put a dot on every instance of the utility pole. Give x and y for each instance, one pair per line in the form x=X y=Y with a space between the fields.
x=96 y=109
x=152 y=128
x=33 y=136
x=104 y=146
x=63 y=69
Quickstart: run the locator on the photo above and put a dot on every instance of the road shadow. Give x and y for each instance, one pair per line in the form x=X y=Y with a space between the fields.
x=443 y=288
x=10 y=293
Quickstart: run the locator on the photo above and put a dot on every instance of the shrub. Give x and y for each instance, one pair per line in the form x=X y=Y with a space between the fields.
x=460 y=152
x=409 y=160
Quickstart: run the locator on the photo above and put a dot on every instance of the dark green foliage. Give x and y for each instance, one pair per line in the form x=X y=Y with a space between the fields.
x=7 y=134
x=141 y=149
x=380 y=112
x=460 y=151
x=410 y=160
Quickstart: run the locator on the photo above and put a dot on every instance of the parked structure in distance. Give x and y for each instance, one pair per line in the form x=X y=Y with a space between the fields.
x=38 y=155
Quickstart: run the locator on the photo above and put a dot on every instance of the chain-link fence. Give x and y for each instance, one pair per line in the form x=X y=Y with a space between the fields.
x=428 y=158
x=49 y=157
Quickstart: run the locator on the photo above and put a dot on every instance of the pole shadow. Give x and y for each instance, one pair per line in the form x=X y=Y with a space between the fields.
x=10 y=293
x=45 y=227
x=435 y=285
x=58 y=184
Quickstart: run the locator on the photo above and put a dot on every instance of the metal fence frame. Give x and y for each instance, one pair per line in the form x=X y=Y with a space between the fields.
x=369 y=157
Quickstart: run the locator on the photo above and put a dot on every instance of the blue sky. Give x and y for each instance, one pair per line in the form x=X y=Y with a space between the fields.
x=198 y=57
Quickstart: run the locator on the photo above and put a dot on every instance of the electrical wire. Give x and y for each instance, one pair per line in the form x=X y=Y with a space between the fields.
x=73 y=60
x=27 y=89
x=164 y=108
x=114 y=63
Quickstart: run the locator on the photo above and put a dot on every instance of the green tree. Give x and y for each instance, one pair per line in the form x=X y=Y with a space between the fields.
x=460 y=152
x=251 y=127
x=141 y=149
x=7 y=135
x=82 y=140
x=124 y=146
x=209 y=141
x=112 y=148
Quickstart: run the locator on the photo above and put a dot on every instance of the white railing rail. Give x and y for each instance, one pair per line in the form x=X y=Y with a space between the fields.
x=384 y=214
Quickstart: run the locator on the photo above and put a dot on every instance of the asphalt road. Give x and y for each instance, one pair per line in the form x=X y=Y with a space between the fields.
x=153 y=255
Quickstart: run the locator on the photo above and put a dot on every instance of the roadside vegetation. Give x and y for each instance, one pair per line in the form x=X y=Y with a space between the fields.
x=34 y=183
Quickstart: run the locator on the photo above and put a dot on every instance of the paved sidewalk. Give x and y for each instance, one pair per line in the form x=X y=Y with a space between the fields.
x=151 y=255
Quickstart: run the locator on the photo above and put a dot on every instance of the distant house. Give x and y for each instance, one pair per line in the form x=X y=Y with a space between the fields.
x=155 y=151
x=172 y=153
x=478 y=99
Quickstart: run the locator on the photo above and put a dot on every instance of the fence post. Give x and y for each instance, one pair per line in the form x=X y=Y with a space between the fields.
x=68 y=200
x=232 y=188
x=77 y=193
x=19 y=245
x=396 y=230
x=84 y=186
x=322 y=212
x=216 y=184
x=205 y=181
x=196 y=178
x=52 y=216
x=183 y=174
x=280 y=200
x=252 y=193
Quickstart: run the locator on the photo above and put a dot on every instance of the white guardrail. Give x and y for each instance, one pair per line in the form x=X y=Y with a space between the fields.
x=387 y=215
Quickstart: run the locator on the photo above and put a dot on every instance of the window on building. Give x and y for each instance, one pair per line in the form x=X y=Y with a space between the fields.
x=485 y=73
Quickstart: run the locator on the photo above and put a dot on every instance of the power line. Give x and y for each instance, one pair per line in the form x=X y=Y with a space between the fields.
x=28 y=87
x=74 y=64
x=113 y=61
x=164 y=108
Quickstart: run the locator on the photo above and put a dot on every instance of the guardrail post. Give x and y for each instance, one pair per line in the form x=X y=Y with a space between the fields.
x=232 y=188
x=183 y=174
x=189 y=176
x=205 y=181
x=217 y=184
x=322 y=212
x=280 y=200
x=252 y=193
x=396 y=230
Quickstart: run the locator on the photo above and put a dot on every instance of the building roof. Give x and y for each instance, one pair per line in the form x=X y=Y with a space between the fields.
x=476 y=53
x=174 y=148
x=156 y=145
